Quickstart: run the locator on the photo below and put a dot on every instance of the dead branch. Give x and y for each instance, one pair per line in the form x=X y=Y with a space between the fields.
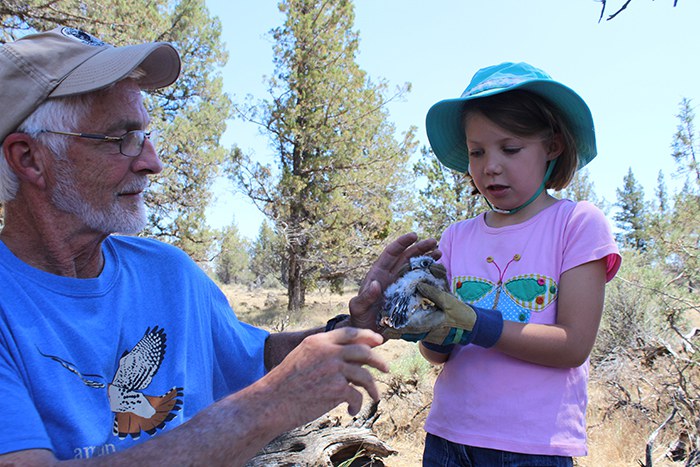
x=623 y=7
x=323 y=442
x=652 y=438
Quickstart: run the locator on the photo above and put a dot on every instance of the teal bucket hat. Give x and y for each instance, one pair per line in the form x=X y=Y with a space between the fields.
x=444 y=120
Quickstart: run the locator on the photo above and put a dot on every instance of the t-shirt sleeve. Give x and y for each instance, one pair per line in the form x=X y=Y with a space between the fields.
x=445 y=247
x=589 y=238
x=239 y=348
x=22 y=427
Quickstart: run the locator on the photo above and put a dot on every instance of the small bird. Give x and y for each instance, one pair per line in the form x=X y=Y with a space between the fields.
x=134 y=411
x=404 y=308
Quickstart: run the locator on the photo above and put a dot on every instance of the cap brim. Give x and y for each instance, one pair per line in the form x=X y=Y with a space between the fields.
x=447 y=138
x=159 y=61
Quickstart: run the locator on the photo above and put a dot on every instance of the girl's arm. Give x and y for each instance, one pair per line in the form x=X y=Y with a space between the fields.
x=567 y=343
x=432 y=356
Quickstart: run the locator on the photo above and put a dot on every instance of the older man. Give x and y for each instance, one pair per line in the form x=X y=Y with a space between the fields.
x=118 y=349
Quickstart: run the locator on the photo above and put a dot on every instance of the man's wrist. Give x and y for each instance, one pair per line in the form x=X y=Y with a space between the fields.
x=336 y=320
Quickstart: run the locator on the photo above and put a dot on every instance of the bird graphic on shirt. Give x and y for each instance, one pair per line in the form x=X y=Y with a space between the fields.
x=89 y=382
x=135 y=411
x=403 y=306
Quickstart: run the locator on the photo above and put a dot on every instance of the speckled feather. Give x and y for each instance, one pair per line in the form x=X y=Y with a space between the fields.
x=404 y=307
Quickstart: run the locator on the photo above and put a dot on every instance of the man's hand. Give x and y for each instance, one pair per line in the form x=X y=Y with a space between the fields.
x=365 y=306
x=325 y=370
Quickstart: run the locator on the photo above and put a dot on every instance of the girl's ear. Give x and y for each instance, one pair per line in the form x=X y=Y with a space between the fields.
x=555 y=147
x=22 y=155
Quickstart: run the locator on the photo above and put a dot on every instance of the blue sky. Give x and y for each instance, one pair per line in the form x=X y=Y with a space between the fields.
x=632 y=71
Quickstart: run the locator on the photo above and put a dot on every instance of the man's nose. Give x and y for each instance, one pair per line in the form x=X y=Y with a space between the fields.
x=148 y=160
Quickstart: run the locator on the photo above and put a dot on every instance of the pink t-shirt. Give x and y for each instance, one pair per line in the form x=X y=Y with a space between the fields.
x=485 y=398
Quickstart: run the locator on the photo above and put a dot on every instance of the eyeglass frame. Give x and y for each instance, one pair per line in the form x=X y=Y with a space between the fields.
x=147 y=135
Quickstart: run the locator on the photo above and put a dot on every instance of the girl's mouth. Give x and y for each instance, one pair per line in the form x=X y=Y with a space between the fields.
x=496 y=189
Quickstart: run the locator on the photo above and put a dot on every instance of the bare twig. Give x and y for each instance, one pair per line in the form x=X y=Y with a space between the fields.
x=652 y=438
x=660 y=292
x=602 y=11
x=619 y=11
x=624 y=6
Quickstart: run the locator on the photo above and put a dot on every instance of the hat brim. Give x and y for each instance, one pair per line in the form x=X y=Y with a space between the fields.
x=447 y=136
x=159 y=61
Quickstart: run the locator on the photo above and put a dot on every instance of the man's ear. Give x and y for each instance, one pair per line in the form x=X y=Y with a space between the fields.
x=555 y=147
x=25 y=159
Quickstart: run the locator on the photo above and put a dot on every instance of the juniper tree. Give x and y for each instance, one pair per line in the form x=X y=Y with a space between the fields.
x=338 y=169
x=444 y=196
x=631 y=219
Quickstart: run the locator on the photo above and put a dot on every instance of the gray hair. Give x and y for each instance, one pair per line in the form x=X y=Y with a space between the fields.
x=60 y=114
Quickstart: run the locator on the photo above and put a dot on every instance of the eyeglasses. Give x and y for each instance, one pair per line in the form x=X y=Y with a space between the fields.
x=130 y=143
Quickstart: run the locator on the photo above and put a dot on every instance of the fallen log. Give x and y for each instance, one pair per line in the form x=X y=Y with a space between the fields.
x=324 y=442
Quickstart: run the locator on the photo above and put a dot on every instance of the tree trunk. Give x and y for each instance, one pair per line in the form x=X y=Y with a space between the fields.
x=296 y=293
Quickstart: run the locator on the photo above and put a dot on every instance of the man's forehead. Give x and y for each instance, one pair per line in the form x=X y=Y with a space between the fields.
x=118 y=108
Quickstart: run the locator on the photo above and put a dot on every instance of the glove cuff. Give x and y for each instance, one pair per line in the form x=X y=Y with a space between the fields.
x=437 y=348
x=487 y=328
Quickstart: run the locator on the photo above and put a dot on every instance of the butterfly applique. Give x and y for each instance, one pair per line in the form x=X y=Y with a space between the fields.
x=516 y=297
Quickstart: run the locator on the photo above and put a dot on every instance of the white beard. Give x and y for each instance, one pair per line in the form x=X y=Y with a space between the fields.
x=112 y=219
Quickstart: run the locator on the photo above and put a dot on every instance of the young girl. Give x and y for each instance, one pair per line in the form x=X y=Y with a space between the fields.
x=530 y=275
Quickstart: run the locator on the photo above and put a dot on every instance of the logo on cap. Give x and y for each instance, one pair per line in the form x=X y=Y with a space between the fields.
x=82 y=36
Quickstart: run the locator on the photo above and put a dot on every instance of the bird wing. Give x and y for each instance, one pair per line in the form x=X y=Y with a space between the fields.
x=138 y=366
x=397 y=308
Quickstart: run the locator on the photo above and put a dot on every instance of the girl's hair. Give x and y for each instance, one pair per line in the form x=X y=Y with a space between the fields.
x=526 y=114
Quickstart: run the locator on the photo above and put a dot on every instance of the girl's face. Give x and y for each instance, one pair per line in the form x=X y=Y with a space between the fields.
x=507 y=169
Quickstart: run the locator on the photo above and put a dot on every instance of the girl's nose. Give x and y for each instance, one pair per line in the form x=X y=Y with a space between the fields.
x=492 y=166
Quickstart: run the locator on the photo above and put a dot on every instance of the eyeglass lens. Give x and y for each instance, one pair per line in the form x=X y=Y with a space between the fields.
x=133 y=141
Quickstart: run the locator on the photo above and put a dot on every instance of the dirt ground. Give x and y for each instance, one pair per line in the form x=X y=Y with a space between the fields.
x=615 y=439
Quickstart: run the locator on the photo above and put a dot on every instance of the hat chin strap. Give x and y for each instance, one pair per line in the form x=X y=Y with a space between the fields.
x=539 y=191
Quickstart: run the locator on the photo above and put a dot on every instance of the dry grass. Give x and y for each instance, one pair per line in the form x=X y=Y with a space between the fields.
x=616 y=437
x=619 y=438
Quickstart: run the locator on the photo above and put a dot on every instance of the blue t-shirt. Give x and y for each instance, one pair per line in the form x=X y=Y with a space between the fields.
x=93 y=366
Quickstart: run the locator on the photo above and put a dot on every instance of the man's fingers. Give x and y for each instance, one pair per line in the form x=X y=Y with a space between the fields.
x=350 y=335
x=365 y=297
x=354 y=399
x=423 y=247
x=357 y=352
x=363 y=355
x=397 y=252
x=361 y=377
x=395 y=249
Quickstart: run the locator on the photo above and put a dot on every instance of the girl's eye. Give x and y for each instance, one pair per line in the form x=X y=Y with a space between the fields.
x=476 y=153
x=512 y=149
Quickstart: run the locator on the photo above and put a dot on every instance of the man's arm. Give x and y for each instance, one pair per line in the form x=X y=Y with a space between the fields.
x=322 y=372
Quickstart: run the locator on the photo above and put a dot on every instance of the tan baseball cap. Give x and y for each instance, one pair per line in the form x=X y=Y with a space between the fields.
x=67 y=61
